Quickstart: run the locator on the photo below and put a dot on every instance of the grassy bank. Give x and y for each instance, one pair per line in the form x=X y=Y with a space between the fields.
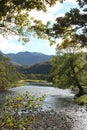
x=82 y=100
x=33 y=82
x=19 y=83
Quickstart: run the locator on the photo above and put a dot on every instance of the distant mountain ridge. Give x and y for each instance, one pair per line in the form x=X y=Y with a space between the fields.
x=29 y=58
x=37 y=68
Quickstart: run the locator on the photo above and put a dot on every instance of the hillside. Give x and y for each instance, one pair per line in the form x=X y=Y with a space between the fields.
x=8 y=73
x=29 y=58
x=40 y=68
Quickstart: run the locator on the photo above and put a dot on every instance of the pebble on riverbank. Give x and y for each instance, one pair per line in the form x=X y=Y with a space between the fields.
x=50 y=120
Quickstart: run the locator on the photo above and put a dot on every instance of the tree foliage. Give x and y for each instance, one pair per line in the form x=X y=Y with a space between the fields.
x=73 y=23
x=69 y=70
x=17 y=112
x=15 y=17
x=8 y=73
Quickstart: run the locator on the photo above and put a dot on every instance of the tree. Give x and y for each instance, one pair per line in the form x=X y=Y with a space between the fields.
x=72 y=29
x=8 y=73
x=15 y=17
x=69 y=70
x=13 y=116
x=73 y=22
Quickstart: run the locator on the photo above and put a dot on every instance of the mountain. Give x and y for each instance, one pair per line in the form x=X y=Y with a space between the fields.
x=4 y=57
x=29 y=58
x=2 y=54
x=40 y=68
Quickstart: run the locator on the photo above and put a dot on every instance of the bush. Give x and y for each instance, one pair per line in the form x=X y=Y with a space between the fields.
x=16 y=113
x=82 y=100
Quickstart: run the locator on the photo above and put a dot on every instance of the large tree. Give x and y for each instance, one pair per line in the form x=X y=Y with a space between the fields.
x=8 y=73
x=69 y=70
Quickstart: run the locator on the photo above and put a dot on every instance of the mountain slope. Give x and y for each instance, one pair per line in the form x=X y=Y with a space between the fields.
x=29 y=58
x=40 y=68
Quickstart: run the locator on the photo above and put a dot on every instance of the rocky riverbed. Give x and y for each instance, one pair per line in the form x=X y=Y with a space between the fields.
x=63 y=120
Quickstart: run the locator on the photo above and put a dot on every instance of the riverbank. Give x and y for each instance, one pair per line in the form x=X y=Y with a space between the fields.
x=82 y=100
x=66 y=115
x=63 y=120
x=32 y=82
x=79 y=100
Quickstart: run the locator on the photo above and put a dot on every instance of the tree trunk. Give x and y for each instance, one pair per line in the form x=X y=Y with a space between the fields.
x=81 y=90
x=76 y=82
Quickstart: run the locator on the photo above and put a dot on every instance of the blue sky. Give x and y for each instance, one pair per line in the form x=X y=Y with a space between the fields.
x=11 y=45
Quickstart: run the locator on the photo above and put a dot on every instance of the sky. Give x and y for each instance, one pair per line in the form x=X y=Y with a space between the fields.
x=11 y=45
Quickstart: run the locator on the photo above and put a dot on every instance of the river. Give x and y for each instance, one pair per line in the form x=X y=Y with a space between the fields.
x=56 y=99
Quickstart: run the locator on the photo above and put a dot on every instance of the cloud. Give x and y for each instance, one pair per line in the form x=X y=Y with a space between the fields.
x=49 y=15
x=42 y=16
x=54 y=8
x=7 y=46
x=59 y=15
x=72 y=1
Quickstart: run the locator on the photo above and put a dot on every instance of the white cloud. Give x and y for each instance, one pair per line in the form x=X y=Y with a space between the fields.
x=54 y=8
x=42 y=16
x=72 y=1
x=12 y=46
x=49 y=15
x=60 y=15
x=6 y=46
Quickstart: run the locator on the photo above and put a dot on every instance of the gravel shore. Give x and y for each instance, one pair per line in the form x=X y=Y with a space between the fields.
x=51 y=120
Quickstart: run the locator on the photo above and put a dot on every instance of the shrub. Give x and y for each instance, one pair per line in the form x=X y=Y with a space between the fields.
x=17 y=111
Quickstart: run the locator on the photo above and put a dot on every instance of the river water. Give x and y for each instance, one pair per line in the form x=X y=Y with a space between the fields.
x=56 y=99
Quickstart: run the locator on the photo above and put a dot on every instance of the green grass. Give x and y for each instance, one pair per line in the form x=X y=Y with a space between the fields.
x=82 y=100
x=19 y=83
x=35 y=81
x=30 y=81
